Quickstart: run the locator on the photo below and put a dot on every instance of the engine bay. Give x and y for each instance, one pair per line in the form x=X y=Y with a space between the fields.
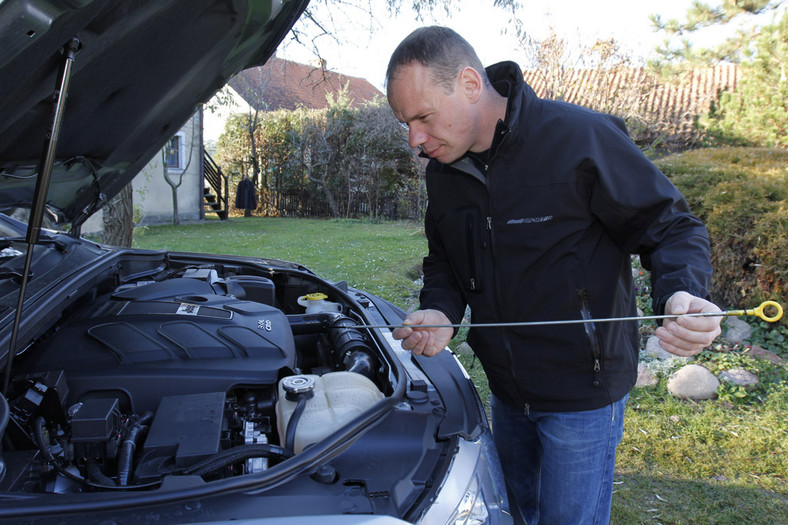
x=209 y=370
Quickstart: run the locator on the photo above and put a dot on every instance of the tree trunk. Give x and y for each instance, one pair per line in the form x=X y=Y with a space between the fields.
x=332 y=203
x=118 y=219
x=176 y=218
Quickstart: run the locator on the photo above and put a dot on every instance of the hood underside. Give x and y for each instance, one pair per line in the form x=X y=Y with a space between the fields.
x=142 y=70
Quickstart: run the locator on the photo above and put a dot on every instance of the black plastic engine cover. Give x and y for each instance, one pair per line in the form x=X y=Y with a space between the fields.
x=168 y=338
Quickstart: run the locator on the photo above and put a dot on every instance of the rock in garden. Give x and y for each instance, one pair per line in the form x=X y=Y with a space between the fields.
x=737 y=330
x=654 y=350
x=739 y=376
x=693 y=382
x=761 y=352
x=645 y=376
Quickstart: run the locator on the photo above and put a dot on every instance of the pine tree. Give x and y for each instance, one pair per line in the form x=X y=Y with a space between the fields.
x=757 y=112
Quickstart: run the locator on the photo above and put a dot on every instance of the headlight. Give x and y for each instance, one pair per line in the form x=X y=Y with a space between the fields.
x=473 y=491
x=472 y=509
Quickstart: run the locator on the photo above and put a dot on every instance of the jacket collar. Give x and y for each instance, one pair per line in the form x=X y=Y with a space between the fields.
x=507 y=79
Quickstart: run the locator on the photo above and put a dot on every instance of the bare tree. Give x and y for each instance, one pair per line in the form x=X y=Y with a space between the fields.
x=552 y=60
x=325 y=22
x=174 y=177
x=317 y=153
x=254 y=84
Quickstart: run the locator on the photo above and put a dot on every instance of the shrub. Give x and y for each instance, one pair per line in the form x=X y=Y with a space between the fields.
x=741 y=194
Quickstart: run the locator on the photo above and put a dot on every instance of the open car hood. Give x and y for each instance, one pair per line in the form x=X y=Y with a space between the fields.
x=142 y=70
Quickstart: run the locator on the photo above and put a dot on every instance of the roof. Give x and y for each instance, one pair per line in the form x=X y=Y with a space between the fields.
x=282 y=84
x=670 y=109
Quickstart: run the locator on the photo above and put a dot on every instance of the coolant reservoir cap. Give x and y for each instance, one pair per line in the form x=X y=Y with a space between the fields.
x=298 y=385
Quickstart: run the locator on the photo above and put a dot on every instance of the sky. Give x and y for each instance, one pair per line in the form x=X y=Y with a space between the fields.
x=366 y=56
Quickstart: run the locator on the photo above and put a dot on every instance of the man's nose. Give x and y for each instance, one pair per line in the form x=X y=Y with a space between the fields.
x=416 y=137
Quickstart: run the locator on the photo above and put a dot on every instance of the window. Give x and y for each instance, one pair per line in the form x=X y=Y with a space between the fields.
x=173 y=152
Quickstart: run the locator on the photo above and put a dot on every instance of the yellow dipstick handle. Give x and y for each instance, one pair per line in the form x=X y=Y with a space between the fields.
x=758 y=311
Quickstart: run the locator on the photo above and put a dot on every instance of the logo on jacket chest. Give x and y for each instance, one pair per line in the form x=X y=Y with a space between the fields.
x=530 y=220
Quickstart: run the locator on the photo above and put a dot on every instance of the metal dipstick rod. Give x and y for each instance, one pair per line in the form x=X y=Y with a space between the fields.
x=758 y=311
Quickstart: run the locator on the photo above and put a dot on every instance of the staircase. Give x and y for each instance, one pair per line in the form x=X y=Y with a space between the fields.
x=215 y=194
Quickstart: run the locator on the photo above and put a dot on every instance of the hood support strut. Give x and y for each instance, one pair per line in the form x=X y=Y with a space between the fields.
x=42 y=188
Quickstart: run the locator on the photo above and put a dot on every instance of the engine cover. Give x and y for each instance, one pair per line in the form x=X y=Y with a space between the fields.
x=173 y=337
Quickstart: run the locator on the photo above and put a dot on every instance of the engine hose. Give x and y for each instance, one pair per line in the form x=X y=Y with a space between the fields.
x=235 y=455
x=5 y=414
x=38 y=434
x=360 y=363
x=303 y=324
x=293 y=423
x=96 y=474
x=126 y=453
x=349 y=346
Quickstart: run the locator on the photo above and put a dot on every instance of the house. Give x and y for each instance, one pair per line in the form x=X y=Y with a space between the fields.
x=667 y=109
x=279 y=84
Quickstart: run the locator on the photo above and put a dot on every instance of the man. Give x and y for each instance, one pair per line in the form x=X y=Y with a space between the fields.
x=534 y=209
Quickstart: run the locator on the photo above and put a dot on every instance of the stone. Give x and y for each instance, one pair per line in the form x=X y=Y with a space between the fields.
x=654 y=350
x=759 y=351
x=737 y=330
x=693 y=382
x=739 y=376
x=645 y=376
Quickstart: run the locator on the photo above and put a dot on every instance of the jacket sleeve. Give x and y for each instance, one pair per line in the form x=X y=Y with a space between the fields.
x=440 y=290
x=646 y=214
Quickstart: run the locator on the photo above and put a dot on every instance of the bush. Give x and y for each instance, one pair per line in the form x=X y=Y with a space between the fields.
x=741 y=194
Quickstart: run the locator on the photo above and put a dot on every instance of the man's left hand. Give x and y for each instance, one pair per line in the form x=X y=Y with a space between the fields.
x=688 y=336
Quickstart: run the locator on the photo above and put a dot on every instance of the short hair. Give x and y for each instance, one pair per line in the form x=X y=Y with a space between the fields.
x=441 y=50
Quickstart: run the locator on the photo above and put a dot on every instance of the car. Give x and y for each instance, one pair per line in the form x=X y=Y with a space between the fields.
x=147 y=386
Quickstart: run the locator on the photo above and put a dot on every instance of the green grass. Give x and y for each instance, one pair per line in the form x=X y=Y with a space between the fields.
x=679 y=463
x=380 y=258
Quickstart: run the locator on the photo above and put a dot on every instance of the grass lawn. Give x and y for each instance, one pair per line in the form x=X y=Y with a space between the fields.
x=380 y=258
x=722 y=461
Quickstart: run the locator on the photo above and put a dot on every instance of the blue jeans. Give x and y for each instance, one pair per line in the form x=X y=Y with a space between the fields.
x=559 y=465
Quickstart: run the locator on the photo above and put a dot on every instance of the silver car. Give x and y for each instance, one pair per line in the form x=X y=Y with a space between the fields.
x=161 y=387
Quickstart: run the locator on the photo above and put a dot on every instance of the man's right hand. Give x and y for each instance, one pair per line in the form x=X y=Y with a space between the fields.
x=424 y=341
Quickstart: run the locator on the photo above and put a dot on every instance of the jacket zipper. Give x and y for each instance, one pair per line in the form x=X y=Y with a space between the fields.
x=474 y=253
x=596 y=348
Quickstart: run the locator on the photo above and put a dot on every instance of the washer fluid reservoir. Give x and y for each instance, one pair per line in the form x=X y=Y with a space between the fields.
x=316 y=303
x=338 y=397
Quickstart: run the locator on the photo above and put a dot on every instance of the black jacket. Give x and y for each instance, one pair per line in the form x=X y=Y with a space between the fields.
x=542 y=228
x=245 y=196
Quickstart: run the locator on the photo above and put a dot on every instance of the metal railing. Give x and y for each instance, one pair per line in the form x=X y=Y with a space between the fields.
x=215 y=190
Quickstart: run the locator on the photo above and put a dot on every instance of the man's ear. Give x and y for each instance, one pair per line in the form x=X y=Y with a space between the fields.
x=471 y=83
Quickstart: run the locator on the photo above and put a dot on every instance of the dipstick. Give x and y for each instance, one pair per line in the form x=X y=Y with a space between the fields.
x=758 y=311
